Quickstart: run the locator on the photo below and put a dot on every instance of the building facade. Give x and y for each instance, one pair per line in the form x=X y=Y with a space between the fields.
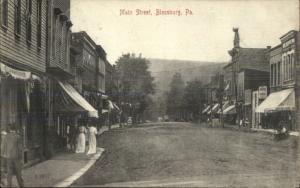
x=279 y=108
x=90 y=70
x=247 y=68
x=23 y=44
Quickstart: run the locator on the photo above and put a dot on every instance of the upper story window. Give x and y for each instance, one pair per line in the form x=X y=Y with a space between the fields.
x=28 y=20
x=284 y=68
x=62 y=42
x=17 y=17
x=4 y=12
x=54 y=28
x=272 y=75
x=289 y=42
x=276 y=74
x=289 y=67
x=292 y=66
x=39 y=23
x=279 y=73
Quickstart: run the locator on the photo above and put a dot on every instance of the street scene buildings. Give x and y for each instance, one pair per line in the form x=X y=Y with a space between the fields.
x=58 y=86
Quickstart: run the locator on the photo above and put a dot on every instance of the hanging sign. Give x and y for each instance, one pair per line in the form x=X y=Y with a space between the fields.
x=262 y=92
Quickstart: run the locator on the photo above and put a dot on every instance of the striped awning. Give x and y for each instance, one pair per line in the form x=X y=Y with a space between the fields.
x=206 y=109
x=230 y=110
x=278 y=101
x=70 y=100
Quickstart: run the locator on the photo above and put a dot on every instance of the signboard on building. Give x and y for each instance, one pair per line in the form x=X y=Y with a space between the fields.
x=262 y=92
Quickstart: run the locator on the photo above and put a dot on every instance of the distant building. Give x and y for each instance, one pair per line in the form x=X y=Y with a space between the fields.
x=247 y=69
x=90 y=70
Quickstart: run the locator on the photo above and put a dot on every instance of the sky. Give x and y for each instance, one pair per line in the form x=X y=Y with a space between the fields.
x=204 y=35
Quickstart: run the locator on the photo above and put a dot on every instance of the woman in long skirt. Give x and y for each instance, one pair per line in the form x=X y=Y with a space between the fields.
x=92 y=140
x=80 y=147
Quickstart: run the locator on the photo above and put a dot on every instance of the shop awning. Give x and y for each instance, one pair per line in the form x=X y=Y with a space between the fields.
x=225 y=105
x=16 y=74
x=104 y=97
x=227 y=87
x=214 y=108
x=71 y=100
x=230 y=110
x=104 y=111
x=116 y=107
x=110 y=105
x=206 y=109
x=278 y=101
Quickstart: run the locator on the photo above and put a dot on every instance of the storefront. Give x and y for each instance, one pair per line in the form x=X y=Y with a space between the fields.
x=278 y=109
x=230 y=114
x=22 y=103
x=70 y=109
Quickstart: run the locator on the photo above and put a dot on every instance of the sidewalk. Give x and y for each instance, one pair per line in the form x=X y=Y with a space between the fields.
x=271 y=131
x=61 y=170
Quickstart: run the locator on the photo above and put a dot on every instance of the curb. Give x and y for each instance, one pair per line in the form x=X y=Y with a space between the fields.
x=67 y=182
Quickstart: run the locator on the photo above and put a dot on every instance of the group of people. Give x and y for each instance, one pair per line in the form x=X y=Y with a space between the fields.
x=79 y=137
x=12 y=150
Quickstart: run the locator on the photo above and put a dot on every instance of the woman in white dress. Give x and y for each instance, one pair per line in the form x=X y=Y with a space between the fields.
x=80 y=146
x=92 y=140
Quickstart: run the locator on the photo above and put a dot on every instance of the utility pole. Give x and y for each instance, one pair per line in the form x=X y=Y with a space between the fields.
x=211 y=123
x=235 y=92
x=220 y=97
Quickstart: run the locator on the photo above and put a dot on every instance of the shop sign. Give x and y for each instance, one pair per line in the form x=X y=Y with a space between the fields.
x=262 y=92
x=16 y=74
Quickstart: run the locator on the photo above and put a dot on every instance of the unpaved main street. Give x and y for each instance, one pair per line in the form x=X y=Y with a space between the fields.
x=184 y=154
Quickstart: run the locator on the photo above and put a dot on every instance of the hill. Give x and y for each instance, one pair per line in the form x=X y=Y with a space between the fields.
x=163 y=70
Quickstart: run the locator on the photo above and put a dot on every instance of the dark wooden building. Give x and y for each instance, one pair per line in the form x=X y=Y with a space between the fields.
x=23 y=44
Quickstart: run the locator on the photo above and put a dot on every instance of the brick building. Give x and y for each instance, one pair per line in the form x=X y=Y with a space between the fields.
x=280 y=106
x=248 y=67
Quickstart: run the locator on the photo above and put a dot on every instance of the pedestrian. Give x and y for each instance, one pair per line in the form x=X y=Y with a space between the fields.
x=92 y=140
x=14 y=147
x=80 y=146
x=3 y=159
x=72 y=137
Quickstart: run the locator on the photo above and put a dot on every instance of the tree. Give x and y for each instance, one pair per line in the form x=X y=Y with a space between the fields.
x=175 y=97
x=135 y=83
x=193 y=99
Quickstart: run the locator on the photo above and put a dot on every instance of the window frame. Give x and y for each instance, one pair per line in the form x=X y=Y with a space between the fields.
x=279 y=73
x=4 y=14
x=29 y=21
x=292 y=66
x=39 y=7
x=17 y=17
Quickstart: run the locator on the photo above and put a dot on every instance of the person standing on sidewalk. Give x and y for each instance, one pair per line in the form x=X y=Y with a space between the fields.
x=72 y=137
x=3 y=157
x=14 y=155
x=92 y=140
x=80 y=147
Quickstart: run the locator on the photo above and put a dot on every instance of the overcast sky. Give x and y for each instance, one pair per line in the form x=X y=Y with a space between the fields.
x=205 y=36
